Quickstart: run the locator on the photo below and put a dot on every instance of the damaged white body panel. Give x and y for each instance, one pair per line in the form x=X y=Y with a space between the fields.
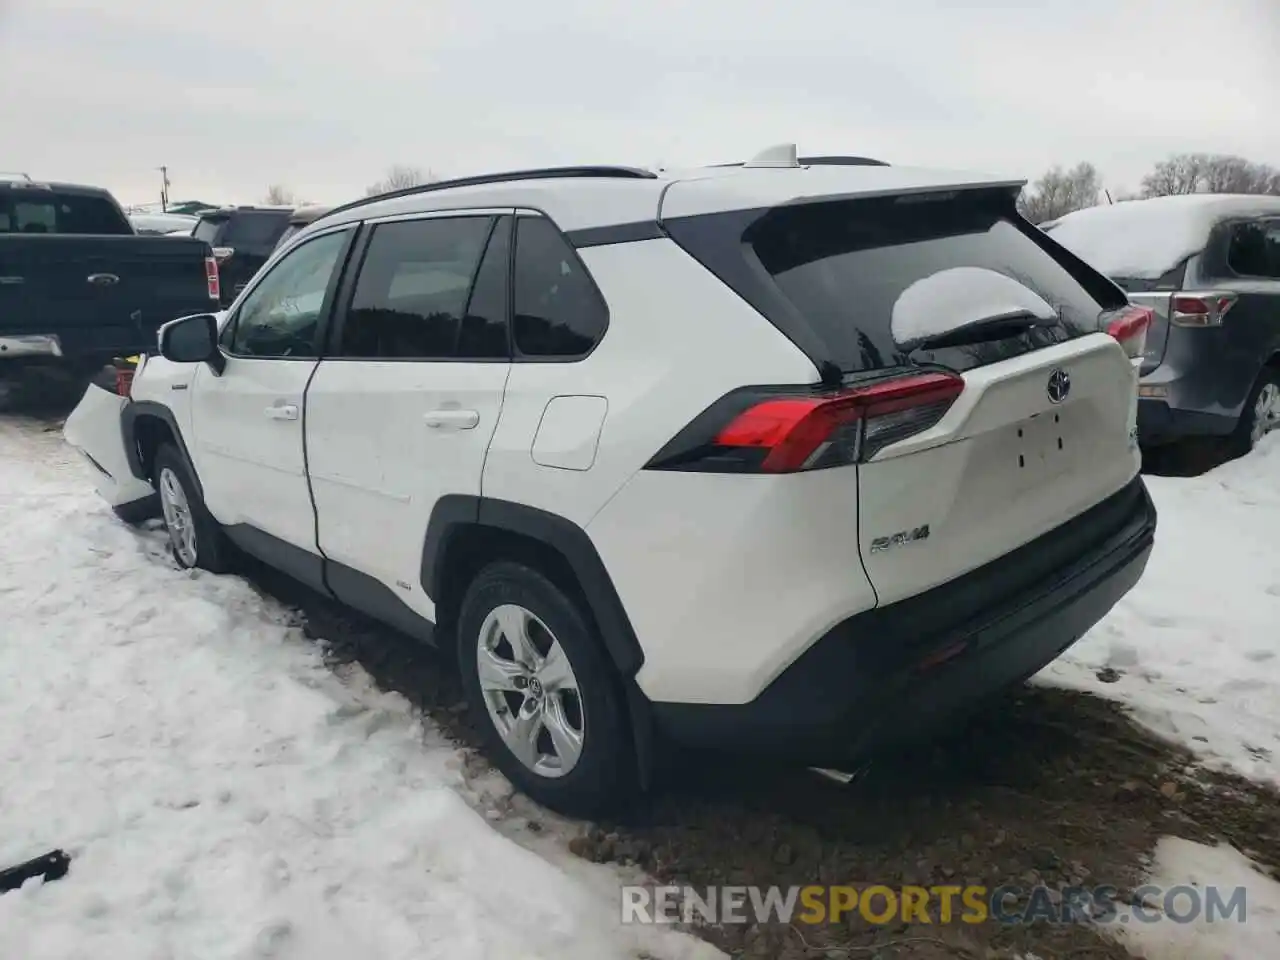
x=95 y=430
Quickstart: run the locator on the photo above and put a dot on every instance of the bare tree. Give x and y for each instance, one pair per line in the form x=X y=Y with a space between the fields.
x=1060 y=192
x=278 y=195
x=1209 y=173
x=399 y=177
x=1238 y=175
x=1179 y=174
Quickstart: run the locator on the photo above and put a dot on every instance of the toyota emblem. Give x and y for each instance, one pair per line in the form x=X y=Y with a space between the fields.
x=1059 y=386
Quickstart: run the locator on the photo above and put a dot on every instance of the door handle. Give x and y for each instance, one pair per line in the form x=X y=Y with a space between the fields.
x=282 y=411
x=458 y=419
x=12 y=281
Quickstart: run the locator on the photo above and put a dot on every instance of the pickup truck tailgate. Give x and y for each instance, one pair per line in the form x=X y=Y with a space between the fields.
x=100 y=294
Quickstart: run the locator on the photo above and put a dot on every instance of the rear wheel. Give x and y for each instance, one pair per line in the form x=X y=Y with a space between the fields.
x=542 y=691
x=195 y=538
x=1262 y=413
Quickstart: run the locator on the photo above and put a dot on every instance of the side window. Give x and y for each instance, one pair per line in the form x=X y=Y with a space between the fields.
x=207 y=230
x=413 y=287
x=558 y=312
x=1272 y=228
x=281 y=315
x=1248 y=254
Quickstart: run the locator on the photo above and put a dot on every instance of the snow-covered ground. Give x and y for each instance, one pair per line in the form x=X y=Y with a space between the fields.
x=224 y=794
x=1196 y=645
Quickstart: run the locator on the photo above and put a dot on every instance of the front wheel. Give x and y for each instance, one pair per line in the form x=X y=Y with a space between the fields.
x=543 y=692
x=195 y=538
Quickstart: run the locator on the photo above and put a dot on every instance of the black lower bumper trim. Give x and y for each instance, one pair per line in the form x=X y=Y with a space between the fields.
x=1160 y=423
x=898 y=673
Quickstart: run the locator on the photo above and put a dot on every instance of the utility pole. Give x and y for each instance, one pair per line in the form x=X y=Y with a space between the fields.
x=164 y=188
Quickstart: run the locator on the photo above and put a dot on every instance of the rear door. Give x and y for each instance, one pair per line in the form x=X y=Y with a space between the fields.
x=402 y=408
x=1044 y=426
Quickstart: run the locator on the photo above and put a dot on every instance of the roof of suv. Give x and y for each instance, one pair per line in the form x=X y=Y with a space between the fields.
x=580 y=198
x=1147 y=238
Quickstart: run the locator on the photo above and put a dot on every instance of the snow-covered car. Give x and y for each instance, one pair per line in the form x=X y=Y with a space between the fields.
x=1208 y=266
x=799 y=458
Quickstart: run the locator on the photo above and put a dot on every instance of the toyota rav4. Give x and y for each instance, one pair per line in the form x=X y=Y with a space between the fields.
x=791 y=457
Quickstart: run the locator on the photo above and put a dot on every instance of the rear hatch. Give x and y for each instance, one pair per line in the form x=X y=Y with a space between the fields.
x=1038 y=425
x=100 y=292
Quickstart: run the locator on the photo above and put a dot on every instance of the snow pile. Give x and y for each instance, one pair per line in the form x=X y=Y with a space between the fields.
x=953 y=299
x=1196 y=644
x=1145 y=239
x=1183 y=863
x=223 y=794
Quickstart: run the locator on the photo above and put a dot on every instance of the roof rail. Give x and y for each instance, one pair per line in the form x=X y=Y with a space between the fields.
x=819 y=162
x=544 y=173
x=5 y=175
x=841 y=162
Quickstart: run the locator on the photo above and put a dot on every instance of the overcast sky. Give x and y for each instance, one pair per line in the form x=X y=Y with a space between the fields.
x=323 y=95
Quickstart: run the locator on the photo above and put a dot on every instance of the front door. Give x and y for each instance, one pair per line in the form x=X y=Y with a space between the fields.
x=247 y=422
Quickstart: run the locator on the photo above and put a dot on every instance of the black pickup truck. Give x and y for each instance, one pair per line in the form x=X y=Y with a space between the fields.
x=79 y=287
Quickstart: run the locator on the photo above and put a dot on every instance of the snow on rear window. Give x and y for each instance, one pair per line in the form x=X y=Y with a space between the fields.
x=1145 y=239
x=950 y=300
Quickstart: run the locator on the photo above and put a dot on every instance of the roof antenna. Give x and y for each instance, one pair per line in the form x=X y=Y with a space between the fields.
x=784 y=155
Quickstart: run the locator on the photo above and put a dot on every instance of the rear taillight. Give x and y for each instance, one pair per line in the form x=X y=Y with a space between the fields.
x=125 y=371
x=776 y=431
x=211 y=276
x=1200 y=309
x=1130 y=326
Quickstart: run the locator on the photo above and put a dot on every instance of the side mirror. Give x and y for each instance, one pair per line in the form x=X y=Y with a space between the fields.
x=192 y=339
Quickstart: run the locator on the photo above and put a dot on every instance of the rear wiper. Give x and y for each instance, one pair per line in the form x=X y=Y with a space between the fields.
x=999 y=327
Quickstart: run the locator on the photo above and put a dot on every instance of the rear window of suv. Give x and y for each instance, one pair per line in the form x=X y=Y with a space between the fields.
x=841 y=265
x=258 y=229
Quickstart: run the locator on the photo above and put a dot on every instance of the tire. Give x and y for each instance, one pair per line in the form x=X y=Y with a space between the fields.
x=139 y=512
x=1262 y=410
x=511 y=598
x=207 y=546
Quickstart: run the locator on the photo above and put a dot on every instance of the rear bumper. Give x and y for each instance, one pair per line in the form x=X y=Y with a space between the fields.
x=1161 y=422
x=897 y=673
x=33 y=345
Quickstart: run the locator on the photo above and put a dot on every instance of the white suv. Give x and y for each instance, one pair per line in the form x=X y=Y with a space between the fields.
x=786 y=456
